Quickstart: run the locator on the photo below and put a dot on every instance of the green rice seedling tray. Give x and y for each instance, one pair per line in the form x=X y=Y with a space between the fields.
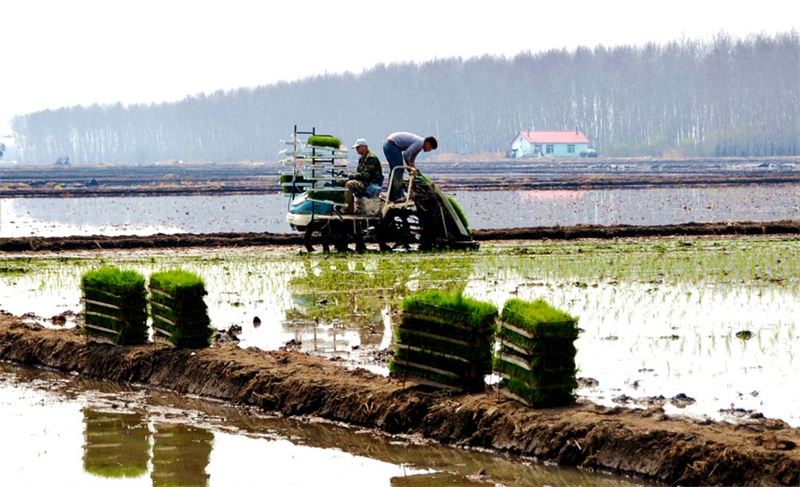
x=537 y=345
x=445 y=345
x=536 y=356
x=538 y=318
x=452 y=364
x=536 y=398
x=178 y=284
x=179 y=337
x=400 y=369
x=446 y=335
x=190 y=317
x=115 y=306
x=536 y=378
x=324 y=141
x=454 y=308
x=445 y=327
x=334 y=196
x=180 y=315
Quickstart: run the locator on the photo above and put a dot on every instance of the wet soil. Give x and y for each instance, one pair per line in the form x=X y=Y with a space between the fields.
x=645 y=443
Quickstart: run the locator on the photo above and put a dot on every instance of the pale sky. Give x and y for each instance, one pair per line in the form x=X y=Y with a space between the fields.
x=56 y=53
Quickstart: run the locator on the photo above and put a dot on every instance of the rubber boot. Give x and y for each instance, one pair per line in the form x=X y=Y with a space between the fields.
x=348 y=198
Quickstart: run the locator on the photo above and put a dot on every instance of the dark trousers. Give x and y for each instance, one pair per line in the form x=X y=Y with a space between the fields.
x=394 y=156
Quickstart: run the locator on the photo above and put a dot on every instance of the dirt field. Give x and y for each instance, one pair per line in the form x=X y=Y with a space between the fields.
x=643 y=443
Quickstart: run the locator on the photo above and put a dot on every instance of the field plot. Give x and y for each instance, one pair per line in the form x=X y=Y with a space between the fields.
x=703 y=327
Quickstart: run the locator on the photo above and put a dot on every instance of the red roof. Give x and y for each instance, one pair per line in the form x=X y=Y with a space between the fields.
x=554 y=137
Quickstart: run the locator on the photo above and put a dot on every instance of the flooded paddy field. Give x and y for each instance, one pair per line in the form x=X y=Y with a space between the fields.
x=486 y=210
x=714 y=320
x=701 y=328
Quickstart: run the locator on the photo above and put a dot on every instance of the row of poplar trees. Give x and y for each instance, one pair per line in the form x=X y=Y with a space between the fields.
x=687 y=98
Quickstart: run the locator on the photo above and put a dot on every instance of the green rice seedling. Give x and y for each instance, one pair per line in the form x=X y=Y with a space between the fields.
x=536 y=357
x=324 y=141
x=294 y=183
x=178 y=308
x=460 y=213
x=115 y=306
x=544 y=396
x=334 y=196
x=424 y=374
x=445 y=339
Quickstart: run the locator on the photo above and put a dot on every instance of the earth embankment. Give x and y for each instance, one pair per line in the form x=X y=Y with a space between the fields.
x=644 y=443
x=97 y=242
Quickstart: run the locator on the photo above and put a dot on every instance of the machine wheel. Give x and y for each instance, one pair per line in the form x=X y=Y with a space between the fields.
x=396 y=230
x=329 y=234
x=318 y=234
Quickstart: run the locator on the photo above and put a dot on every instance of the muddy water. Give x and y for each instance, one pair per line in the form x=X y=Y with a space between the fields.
x=53 y=217
x=702 y=328
x=62 y=430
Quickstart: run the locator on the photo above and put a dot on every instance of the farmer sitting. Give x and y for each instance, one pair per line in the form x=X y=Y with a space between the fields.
x=367 y=179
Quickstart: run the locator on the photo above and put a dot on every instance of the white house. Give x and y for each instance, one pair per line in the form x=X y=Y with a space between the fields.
x=550 y=143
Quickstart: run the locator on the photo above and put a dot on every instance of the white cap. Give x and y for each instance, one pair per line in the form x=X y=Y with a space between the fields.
x=360 y=142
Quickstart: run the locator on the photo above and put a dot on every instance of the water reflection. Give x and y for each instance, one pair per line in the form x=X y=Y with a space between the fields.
x=181 y=455
x=126 y=432
x=121 y=444
x=116 y=444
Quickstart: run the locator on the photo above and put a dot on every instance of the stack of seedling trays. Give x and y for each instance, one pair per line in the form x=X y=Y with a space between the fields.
x=178 y=309
x=294 y=183
x=536 y=355
x=115 y=306
x=444 y=340
x=316 y=164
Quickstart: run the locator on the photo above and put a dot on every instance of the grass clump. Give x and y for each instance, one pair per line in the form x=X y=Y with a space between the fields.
x=324 y=141
x=536 y=357
x=178 y=308
x=444 y=339
x=115 y=306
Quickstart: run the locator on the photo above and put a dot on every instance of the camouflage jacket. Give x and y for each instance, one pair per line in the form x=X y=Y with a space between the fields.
x=369 y=170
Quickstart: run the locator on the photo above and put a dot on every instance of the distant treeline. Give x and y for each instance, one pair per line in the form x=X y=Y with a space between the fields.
x=723 y=97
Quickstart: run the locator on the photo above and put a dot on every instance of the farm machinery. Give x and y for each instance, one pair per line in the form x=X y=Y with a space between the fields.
x=423 y=219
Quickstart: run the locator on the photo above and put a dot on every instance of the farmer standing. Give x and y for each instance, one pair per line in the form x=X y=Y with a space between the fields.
x=401 y=149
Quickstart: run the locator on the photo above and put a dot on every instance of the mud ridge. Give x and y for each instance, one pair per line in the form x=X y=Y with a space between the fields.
x=98 y=242
x=642 y=443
